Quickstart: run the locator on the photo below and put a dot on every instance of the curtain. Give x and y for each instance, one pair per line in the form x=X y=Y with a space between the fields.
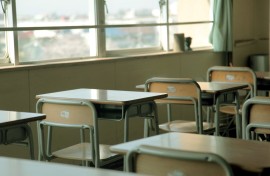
x=221 y=34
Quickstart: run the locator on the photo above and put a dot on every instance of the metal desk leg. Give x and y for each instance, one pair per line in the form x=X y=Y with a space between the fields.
x=156 y=117
x=216 y=119
x=30 y=141
x=25 y=139
x=238 y=117
x=126 y=126
x=146 y=127
x=147 y=122
x=151 y=109
x=169 y=112
x=40 y=152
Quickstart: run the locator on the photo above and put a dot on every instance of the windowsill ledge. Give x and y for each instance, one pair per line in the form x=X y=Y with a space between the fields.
x=78 y=61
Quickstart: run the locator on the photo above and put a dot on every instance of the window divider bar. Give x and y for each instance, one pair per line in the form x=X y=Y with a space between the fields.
x=96 y=26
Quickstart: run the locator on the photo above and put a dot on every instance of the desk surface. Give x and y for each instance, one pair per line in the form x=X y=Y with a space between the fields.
x=15 y=167
x=249 y=155
x=220 y=87
x=263 y=75
x=13 y=118
x=98 y=96
x=263 y=81
x=213 y=87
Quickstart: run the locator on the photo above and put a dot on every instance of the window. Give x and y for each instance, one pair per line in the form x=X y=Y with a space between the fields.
x=66 y=40
x=133 y=37
x=192 y=18
x=46 y=30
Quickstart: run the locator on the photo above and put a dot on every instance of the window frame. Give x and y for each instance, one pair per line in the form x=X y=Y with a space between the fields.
x=99 y=17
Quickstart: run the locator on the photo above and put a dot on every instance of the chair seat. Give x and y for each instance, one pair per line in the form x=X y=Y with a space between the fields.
x=262 y=131
x=229 y=109
x=183 y=126
x=82 y=151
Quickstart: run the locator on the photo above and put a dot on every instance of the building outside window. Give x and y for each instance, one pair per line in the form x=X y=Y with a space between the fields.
x=48 y=30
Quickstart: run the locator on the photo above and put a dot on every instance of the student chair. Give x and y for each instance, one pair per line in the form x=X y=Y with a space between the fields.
x=151 y=160
x=78 y=115
x=181 y=91
x=256 y=118
x=234 y=75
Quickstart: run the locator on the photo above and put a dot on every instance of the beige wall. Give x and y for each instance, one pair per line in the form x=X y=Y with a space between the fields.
x=250 y=29
x=20 y=86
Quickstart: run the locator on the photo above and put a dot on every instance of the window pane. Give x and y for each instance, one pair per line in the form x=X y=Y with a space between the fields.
x=2 y=36
x=132 y=11
x=52 y=12
x=198 y=32
x=44 y=45
x=41 y=45
x=122 y=12
x=2 y=44
x=190 y=10
x=132 y=38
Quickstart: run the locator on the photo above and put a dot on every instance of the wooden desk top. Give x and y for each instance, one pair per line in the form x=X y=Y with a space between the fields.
x=249 y=155
x=13 y=118
x=20 y=167
x=213 y=87
x=98 y=96
x=263 y=75
x=220 y=87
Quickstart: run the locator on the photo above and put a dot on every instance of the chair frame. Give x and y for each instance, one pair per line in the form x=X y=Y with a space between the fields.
x=184 y=100
x=231 y=74
x=45 y=152
x=176 y=154
x=248 y=126
x=230 y=78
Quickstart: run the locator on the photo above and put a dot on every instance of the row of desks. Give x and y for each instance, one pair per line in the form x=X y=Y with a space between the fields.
x=119 y=100
x=251 y=157
x=117 y=103
x=106 y=100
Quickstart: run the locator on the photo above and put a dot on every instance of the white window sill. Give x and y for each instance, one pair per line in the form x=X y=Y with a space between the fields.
x=85 y=60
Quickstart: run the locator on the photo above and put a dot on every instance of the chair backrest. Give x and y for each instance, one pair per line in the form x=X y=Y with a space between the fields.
x=179 y=90
x=256 y=116
x=151 y=160
x=69 y=113
x=234 y=75
x=184 y=91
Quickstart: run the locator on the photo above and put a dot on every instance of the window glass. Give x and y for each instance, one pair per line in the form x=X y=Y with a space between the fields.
x=198 y=32
x=3 y=48
x=190 y=10
x=128 y=27
x=185 y=11
x=132 y=37
x=140 y=12
x=131 y=11
x=42 y=45
x=52 y=12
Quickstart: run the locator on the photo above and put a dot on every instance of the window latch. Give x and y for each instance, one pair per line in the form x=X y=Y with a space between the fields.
x=4 y=5
x=161 y=4
x=106 y=7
